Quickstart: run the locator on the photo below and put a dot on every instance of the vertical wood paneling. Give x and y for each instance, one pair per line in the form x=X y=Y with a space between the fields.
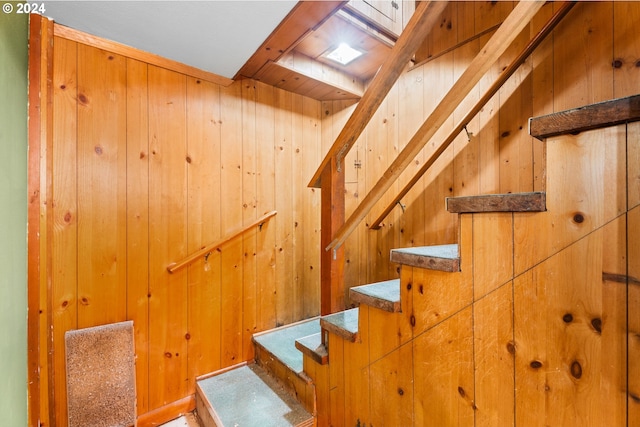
x=310 y=201
x=266 y=191
x=633 y=326
x=626 y=46
x=249 y=214
x=588 y=77
x=204 y=211
x=231 y=257
x=570 y=351
x=168 y=237
x=443 y=373
x=138 y=222
x=492 y=260
x=285 y=304
x=101 y=150
x=493 y=357
x=298 y=188
x=633 y=165
x=63 y=292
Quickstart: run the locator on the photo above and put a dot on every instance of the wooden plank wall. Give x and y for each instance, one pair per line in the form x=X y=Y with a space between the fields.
x=496 y=154
x=541 y=325
x=150 y=165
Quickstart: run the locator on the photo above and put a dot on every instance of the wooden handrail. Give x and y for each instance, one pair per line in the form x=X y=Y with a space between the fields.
x=418 y=27
x=173 y=267
x=515 y=64
x=488 y=55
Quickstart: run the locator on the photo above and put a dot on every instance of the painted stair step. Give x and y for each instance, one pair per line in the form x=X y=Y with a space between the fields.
x=440 y=257
x=383 y=295
x=511 y=202
x=343 y=324
x=279 y=343
x=248 y=396
x=313 y=347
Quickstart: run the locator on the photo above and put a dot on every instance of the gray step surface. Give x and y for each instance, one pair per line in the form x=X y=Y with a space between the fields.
x=383 y=295
x=343 y=323
x=280 y=342
x=440 y=257
x=247 y=396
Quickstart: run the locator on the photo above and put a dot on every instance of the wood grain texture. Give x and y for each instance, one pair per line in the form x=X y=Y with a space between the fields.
x=168 y=231
x=593 y=116
x=419 y=25
x=62 y=175
x=138 y=222
x=515 y=202
x=516 y=21
x=101 y=151
x=149 y=58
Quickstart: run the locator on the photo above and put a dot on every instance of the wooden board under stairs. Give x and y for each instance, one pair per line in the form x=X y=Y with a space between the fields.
x=247 y=396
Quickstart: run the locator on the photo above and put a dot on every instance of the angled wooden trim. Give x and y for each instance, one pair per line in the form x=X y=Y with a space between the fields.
x=504 y=76
x=594 y=116
x=40 y=138
x=419 y=26
x=305 y=17
x=167 y=412
x=173 y=267
x=488 y=55
x=140 y=55
x=512 y=202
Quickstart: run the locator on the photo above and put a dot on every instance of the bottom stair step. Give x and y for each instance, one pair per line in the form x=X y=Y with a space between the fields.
x=247 y=396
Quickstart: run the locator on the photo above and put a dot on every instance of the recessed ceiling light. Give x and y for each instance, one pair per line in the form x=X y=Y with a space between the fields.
x=344 y=54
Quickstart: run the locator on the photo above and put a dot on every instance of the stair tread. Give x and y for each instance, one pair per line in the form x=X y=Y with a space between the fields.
x=343 y=323
x=438 y=257
x=510 y=202
x=384 y=295
x=280 y=342
x=313 y=347
x=248 y=396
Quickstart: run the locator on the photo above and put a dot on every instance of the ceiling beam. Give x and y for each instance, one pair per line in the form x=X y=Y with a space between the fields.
x=305 y=17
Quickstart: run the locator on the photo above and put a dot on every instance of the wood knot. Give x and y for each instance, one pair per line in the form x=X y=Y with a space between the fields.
x=421 y=289
x=187 y=336
x=567 y=318
x=578 y=218
x=83 y=99
x=511 y=347
x=597 y=324
x=617 y=63
x=67 y=217
x=535 y=364
x=188 y=159
x=84 y=301
x=576 y=370
x=461 y=392
x=98 y=150
x=400 y=391
x=412 y=320
x=638 y=63
x=409 y=286
x=168 y=355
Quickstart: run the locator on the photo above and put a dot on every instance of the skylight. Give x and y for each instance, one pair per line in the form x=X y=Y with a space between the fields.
x=344 y=54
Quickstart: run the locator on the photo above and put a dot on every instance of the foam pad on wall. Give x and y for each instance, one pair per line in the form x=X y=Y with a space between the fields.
x=101 y=376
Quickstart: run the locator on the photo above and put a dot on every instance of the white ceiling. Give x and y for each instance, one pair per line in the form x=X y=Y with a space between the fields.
x=218 y=36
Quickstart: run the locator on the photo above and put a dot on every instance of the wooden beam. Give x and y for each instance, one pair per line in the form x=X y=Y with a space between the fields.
x=331 y=262
x=594 y=116
x=419 y=26
x=40 y=140
x=495 y=47
x=495 y=87
x=512 y=202
x=305 y=17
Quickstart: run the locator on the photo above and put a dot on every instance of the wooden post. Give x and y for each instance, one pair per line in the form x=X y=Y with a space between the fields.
x=332 y=218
